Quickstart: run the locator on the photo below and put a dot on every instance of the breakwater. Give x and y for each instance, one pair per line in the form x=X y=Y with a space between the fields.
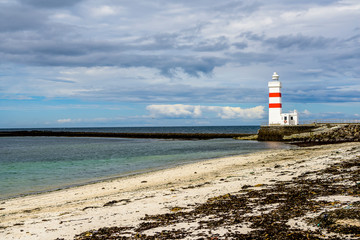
x=311 y=134
x=277 y=133
x=204 y=136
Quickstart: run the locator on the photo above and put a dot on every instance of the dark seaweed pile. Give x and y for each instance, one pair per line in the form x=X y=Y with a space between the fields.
x=264 y=209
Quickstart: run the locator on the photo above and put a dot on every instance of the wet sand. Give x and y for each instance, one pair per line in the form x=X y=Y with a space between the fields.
x=178 y=201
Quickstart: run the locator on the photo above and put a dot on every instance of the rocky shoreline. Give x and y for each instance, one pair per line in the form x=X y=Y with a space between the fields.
x=329 y=134
x=308 y=135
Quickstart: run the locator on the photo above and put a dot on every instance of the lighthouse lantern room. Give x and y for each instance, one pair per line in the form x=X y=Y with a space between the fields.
x=276 y=117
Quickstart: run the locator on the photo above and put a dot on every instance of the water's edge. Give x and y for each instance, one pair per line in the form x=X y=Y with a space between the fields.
x=122 y=176
x=36 y=164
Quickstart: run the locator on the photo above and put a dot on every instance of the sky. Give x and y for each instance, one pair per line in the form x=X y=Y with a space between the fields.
x=115 y=63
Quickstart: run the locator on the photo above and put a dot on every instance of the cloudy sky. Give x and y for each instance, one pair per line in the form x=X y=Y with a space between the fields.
x=165 y=62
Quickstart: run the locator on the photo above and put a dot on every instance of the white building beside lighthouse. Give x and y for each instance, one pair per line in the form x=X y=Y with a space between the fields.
x=276 y=117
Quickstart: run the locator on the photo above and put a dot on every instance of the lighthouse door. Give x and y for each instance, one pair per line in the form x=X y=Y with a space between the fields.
x=286 y=121
x=291 y=122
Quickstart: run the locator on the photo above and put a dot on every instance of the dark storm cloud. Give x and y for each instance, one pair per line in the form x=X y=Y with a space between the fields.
x=162 y=41
x=353 y=39
x=174 y=42
x=352 y=55
x=342 y=64
x=237 y=8
x=167 y=64
x=19 y=18
x=78 y=48
x=252 y=36
x=179 y=93
x=59 y=80
x=51 y=3
x=34 y=48
x=55 y=44
x=248 y=58
x=240 y=45
x=299 y=41
x=321 y=94
x=300 y=4
x=212 y=45
x=83 y=53
x=191 y=36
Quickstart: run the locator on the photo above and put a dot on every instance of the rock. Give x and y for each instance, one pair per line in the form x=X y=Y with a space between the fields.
x=328 y=133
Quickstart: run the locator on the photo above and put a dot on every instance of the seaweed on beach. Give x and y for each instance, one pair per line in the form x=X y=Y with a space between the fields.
x=340 y=221
x=262 y=212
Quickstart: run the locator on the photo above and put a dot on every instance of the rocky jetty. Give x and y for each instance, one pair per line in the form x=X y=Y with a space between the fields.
x=328 y=134
x=314 y=134
x=36 y=133
x=277 y=133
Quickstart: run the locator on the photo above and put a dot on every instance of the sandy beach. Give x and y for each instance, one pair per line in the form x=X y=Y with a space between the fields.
x=130 y=202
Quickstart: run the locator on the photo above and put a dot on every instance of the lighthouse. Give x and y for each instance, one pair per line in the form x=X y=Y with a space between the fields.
x=276 y=117
x=275 y=107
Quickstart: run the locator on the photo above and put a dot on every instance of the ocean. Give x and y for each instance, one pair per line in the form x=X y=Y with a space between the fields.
x=30 y=165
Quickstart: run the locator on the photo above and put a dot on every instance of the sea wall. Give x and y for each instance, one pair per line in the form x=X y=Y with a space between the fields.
x=35 y=133
x=277 y=133
x=323 y=133
x=329 y=134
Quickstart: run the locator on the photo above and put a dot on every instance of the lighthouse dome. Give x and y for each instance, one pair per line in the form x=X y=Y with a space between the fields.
x=275 y=76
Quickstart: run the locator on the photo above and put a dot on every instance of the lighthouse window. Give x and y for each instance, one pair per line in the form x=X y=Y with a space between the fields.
x=291 y=118
x=285 y=118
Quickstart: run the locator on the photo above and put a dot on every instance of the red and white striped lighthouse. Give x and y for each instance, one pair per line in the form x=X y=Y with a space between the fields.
x=275 y=107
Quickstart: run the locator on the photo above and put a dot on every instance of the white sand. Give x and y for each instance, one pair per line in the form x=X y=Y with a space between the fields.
x=61 y=214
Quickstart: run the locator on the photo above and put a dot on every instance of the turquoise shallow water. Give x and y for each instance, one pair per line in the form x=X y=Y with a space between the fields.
x=34 y=164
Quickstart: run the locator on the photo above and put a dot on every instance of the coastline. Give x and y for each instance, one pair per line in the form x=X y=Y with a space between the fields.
x=124 y=201
x=203 y=136
x=121 y=154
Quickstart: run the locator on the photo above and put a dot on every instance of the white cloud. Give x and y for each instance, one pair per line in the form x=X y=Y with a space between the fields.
x=306 y=112
x=93 y=120
x=66 y=120
x=197 y=111
x=237 y=112
x=103 y=11
x=174 y=111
